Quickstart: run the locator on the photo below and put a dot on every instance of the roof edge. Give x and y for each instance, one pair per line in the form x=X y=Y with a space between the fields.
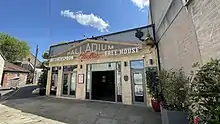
x=16 y=71
x=147 y=26
x=7 y=64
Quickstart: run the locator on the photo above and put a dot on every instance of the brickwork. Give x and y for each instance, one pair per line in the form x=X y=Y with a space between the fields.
x=206 y=18
x=8 y=76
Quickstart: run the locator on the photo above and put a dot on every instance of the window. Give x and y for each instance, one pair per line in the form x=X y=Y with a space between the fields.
x=137 y=64
x=69 y=68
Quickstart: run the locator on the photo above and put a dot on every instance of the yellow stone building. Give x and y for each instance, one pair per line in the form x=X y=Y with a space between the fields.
x=100 y=69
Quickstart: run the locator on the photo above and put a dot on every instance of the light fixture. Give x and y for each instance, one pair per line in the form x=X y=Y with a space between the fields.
x=109 y=65
x=151 y=61
x=125 y=63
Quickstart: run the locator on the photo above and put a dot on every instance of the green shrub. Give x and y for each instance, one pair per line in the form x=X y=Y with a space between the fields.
x=204 y=95
x=152 y=82
x=174 y=89
x=42 y=81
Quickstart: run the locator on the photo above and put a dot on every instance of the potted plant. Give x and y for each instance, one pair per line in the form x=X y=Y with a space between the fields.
x=153 y=87
x=204 y=95
x=174 y=107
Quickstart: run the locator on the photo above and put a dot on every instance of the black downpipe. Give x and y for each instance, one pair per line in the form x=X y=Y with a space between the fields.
x=160 y=93
x=155 y=40
x=157 y=47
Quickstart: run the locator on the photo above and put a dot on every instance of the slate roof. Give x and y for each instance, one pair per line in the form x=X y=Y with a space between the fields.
x=14 y=68
x=102 y=35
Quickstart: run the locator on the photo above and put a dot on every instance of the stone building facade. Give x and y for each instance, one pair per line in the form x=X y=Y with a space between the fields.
x=103 y=69
x=14 y=76
x=28 y=64
x=187 y=31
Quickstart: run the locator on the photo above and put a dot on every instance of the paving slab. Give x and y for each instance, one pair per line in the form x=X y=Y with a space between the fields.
x=14 y=116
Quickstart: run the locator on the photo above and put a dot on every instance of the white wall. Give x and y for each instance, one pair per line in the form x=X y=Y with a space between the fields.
x=2 y=63
x=38 y=73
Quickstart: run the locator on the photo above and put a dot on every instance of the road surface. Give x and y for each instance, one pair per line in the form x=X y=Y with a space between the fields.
x=85 y=112
x=22 y=92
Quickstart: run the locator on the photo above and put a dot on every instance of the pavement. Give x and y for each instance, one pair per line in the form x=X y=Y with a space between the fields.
x=14 y=116
x=79 y=111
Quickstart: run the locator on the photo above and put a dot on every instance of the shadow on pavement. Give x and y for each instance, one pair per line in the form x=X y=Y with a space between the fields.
x=6 y=94
x=23 y=92
x=85 y=112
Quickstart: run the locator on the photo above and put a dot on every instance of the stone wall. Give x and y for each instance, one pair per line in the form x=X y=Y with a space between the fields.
x=2 y=62
x=8 y=76
x=159 y=9
x=176 y=35
x=178 y=46
x=206 y=18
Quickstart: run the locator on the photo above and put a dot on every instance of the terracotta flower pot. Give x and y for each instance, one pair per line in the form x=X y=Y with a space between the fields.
x=155 y=105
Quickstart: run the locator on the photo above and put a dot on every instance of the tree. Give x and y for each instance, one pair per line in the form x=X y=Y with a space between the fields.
x=12 y=48
x=43 y=78
x=45 y=55
x=42 y=81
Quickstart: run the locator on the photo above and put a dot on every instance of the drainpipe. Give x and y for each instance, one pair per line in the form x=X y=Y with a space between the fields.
x=157 y=48
x=154 y=35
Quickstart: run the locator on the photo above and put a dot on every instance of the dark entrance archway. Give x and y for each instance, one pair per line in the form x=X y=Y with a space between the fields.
x=103 y=85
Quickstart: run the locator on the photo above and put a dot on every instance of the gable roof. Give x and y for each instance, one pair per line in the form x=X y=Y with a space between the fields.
x=14 y=68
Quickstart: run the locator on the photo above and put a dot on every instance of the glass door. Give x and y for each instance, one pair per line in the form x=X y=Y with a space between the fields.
x=54 y=80
x=73 y=84
x=69 y=84
x=65 y=84
x=138 y=86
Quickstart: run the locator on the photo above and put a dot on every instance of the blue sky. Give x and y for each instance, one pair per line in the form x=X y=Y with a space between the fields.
x=47 y=22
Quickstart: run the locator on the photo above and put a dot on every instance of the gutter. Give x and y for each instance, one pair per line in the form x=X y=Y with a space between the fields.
x=155 y=40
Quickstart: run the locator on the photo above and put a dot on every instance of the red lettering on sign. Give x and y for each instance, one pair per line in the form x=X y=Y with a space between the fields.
x=89 y=55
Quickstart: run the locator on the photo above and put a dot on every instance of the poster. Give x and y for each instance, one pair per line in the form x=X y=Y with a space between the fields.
x=139 y=91
x=138 y=78
x=81 y=78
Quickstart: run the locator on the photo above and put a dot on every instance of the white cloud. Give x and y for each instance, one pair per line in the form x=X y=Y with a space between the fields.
x=140 y=3
x=90 y=20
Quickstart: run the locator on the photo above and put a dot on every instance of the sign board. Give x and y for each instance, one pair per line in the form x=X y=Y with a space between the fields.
x=122 y=51
x=90 y=47
x=80 y=78
x=89 y=55
x=95 y=55
x=95 y=47
x=93 y=50
x=65 y=58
